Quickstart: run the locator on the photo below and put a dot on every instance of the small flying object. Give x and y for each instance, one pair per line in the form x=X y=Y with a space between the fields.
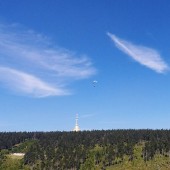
x=94 y=83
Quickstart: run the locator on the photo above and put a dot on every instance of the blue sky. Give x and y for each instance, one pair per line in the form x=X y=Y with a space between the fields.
x=52 y=51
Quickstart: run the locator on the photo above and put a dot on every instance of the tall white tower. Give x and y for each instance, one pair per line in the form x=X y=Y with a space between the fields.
x=76 y=128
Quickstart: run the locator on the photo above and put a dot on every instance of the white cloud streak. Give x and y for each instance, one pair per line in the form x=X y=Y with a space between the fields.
x=143 y=55
x=40 y=68
x=28 y=84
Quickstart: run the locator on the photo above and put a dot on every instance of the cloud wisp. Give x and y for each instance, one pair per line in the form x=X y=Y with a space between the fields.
x=30 y=63
x=143 y=55
x=28 y=84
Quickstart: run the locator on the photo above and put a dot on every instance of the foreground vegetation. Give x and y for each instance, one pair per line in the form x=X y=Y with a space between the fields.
x=87 y=150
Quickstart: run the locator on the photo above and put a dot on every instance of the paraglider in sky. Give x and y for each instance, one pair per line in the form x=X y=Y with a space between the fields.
x=94 y=83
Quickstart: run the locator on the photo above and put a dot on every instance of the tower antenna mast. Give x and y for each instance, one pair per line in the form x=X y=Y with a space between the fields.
x=76 y=128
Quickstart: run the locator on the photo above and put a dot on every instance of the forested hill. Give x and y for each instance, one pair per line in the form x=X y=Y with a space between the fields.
x=105 y=149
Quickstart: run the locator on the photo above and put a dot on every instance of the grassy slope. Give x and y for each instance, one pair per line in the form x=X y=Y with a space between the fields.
x=159 y=162
x=13 y=162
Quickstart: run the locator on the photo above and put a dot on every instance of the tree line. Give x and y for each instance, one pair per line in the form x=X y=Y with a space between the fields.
x=86 y=149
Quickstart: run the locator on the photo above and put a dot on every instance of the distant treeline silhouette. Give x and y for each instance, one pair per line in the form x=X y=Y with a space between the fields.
x=86 y=149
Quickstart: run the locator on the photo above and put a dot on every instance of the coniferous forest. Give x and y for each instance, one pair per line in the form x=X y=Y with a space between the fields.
x=86 y=150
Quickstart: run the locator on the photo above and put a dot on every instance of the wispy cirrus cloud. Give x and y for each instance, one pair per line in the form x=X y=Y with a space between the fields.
x=33 y=65
x=28 y=84
x=145 y=56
